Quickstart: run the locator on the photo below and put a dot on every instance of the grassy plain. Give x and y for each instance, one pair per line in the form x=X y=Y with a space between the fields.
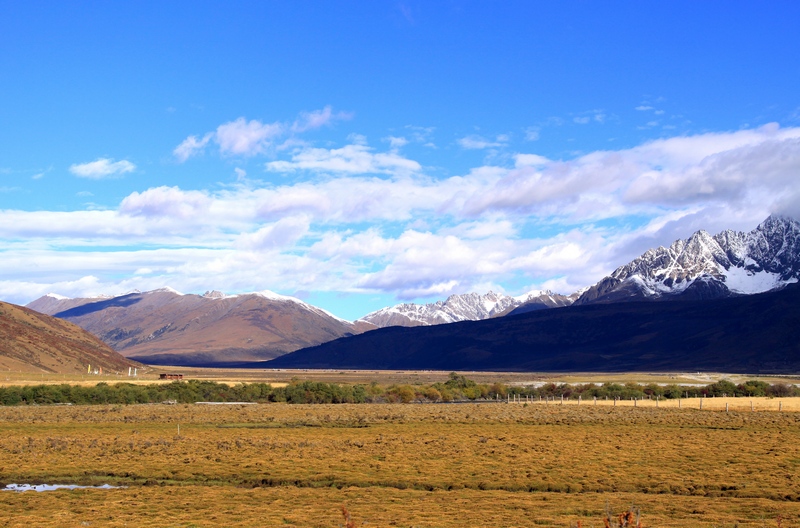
x=490 y=464
x=279 y=377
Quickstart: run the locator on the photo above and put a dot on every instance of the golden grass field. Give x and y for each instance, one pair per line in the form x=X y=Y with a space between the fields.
x=491 y=464
x=277 y=377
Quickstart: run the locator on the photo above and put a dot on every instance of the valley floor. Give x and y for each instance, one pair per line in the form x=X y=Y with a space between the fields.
x=400 y=465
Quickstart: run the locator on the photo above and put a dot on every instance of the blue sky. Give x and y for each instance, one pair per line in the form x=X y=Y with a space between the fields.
x=359 y=154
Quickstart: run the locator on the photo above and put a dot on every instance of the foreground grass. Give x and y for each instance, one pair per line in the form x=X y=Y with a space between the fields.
x=400 y=465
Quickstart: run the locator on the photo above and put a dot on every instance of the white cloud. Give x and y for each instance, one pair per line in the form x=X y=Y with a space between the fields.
x=102 y=168
x=166 y=202
x=476 y=142
x=190 y=147
x=532 y=133
x=282 y=234
x=396 y=142
x=644 y=108
x=582 y=120
x=354 y=159
x=318 y=118
x=531 y=160
x=254 y=137
x=375 y=222
x=246 y=138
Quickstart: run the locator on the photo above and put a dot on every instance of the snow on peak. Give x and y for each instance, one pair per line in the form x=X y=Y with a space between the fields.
x=56 y=296
x=271 y=295
x=214 y=294
x=764 y=259
x=165 y=289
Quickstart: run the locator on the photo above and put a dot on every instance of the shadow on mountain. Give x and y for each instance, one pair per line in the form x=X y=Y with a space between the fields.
x=751 y=334
x=124 y=302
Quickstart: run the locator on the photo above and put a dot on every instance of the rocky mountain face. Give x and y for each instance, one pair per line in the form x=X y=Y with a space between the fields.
x=34 y=342
x=466 y=307
x=708 y=267
x=167 y=327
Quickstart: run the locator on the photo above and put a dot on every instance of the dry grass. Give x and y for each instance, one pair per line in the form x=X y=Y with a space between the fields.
x=400 y=465
x=277 y=377
x=705 y=404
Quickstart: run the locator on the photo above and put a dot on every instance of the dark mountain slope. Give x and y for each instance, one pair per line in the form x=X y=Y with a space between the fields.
x=757 y=333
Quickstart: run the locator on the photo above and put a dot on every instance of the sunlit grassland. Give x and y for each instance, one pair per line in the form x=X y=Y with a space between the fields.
x=489 y=464
x=279 y=377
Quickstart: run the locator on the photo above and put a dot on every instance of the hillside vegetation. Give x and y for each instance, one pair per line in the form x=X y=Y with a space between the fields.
x=33 y=342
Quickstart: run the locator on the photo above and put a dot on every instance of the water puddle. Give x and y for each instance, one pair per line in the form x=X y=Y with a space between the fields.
x=54 y=487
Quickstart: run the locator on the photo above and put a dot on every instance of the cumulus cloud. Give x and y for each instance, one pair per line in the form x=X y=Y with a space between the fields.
x=102 y=168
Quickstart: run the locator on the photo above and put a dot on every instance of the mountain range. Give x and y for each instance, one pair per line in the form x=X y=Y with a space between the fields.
x=167 y=327
x=708 y=267
x=34 y=342
x=750 y=334
x=465 y=307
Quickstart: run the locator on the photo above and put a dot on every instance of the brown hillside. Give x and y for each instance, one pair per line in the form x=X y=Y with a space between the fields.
x=166 y=327
x=34 y=342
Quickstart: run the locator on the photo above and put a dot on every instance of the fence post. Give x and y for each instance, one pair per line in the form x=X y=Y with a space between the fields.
x=751 y=405
x=701 y=403
x=780 y=406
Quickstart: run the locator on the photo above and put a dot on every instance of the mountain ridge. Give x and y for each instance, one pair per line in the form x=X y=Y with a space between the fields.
x=705 y=266
x=462 y=307
x=758 y=333
x=164 y=326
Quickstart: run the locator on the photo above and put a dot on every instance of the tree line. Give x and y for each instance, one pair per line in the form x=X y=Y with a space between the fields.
x=456 y=388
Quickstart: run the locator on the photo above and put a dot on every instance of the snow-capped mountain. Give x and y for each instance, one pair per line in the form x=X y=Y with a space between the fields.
x=166 y=326
x=704 y=266
x=465 y=307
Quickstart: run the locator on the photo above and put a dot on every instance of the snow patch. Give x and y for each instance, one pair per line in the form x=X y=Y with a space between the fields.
x=165 y=289
x=57 y=297
x=743 y=281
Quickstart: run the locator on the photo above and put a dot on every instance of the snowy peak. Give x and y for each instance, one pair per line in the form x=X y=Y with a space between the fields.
x=463 y=307
x=705 y=266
